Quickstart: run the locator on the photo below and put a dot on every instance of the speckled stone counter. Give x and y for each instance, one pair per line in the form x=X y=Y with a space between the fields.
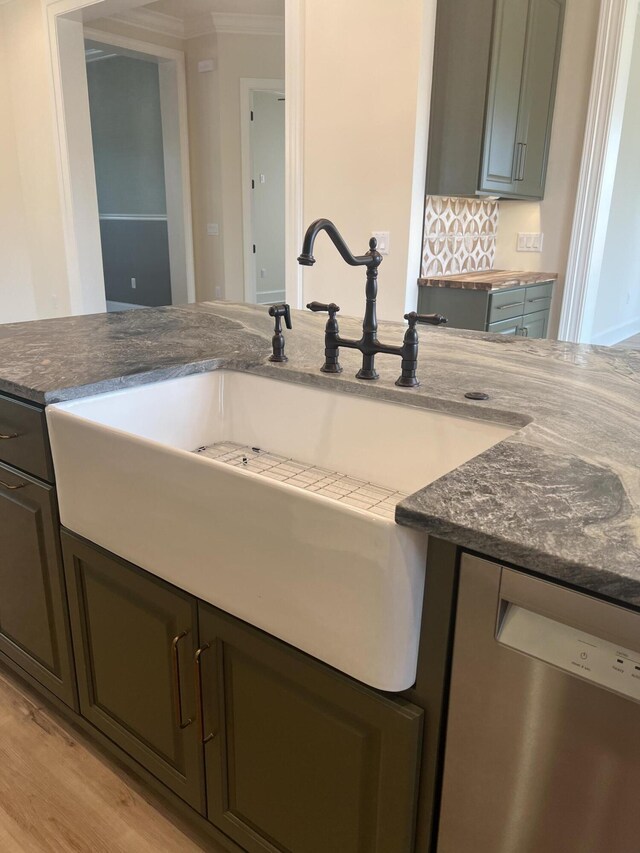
x=489 y=280
x=560 y=497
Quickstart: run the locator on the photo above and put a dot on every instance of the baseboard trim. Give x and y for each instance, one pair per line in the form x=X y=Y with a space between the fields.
x=616 y=334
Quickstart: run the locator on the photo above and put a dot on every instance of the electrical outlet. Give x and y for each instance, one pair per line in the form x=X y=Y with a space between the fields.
x=529 y=242
x=218 y=292
x=383 y=238
x=213 y=229
x=133 y=284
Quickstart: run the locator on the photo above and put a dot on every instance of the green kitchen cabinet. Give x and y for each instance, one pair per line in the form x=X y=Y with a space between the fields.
x=298 y=756
x=35 y=638
x=34 y=624
x=277 y=750
x=493 y=95
x=518 y=310
x=135 y=638
x=535 y=325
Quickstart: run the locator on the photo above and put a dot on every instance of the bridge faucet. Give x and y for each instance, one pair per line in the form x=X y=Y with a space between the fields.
x=368 y=344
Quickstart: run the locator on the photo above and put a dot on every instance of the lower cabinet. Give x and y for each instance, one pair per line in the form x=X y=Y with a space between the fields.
x=522 y=310
x=282 y=753
x=135 y=639
x=34 y=624
x=535 y=325
x=299 y=757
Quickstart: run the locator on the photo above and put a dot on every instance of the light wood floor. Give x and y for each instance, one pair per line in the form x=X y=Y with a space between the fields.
x=58 y=794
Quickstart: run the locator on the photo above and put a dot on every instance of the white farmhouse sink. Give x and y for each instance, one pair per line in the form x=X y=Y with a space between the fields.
x=339 y=581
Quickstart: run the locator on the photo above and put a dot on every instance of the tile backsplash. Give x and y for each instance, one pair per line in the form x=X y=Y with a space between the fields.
x=459 y=235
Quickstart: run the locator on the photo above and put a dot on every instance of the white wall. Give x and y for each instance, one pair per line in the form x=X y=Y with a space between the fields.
x=30 y=197
x=203 y=94
x=554 y=215
x=17 y=300
x=617 y=314
x=365 y=63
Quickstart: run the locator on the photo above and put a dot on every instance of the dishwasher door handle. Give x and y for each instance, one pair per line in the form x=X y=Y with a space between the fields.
x=612 y=622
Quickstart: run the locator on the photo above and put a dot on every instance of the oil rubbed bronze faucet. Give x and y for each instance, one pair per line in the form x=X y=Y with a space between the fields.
x=369 y=345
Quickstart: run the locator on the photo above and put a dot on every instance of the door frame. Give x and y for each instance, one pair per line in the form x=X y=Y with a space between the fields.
x=66 y=21
x=173 y=99
x=247 y=86
x=603 y=128
x=84 y=264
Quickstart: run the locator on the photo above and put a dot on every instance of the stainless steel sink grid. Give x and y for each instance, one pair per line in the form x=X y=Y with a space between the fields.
x=332 y=484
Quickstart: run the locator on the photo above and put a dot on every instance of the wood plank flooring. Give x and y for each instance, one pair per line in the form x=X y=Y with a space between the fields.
x=58 y=794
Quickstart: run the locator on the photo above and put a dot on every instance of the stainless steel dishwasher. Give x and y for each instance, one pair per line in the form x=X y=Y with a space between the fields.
x=543 y=735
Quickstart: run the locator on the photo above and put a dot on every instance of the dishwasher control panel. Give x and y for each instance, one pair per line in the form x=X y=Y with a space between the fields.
x=572 y=650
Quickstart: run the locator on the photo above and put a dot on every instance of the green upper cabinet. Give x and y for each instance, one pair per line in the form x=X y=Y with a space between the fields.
x=493 y=95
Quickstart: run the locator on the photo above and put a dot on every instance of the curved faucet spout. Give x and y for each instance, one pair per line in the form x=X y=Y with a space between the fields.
x=373 y=258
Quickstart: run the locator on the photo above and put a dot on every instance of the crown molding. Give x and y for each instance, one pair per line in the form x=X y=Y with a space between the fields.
x=200 y=25
x=155 y=22
x=255 y=25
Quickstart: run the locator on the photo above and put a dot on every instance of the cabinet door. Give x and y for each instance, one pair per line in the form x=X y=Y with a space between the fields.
x=535 y=325
x=34 y=624
x=299 y=757
x=542 y=53
x=135 y=637
x=512 y=326
x=499 y=160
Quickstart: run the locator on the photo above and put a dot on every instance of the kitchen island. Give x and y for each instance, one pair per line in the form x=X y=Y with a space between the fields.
x=559 y=498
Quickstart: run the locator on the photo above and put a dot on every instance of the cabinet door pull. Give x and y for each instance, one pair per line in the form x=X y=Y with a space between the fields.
x=517 y=158
x=199 y=702
x=523 y=160
x=12 y=488
x=176 y=675
x=510 y=305
x=538 y=299
x=6 y=436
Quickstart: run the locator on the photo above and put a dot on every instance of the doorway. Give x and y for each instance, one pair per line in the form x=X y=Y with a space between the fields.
x=137 y=114
x=129 y=163
x=215 y=51
x=263 y=175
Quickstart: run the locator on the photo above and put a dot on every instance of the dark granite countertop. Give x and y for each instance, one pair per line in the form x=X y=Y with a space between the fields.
x=489 y=280
x=560 y=497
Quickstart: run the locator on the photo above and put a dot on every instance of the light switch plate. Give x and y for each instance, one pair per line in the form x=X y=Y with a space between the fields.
x=213 y=229
x=206 y=65
x=383 y=238
x=529 y=241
